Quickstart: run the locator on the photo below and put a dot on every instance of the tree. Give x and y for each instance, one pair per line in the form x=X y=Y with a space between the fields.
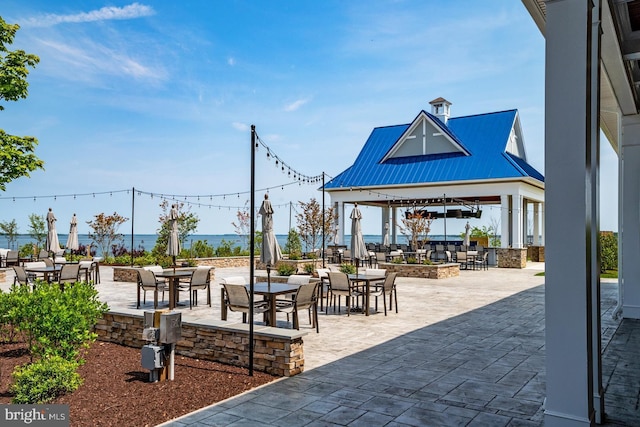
x=416 y=226
x=9 y=229
x=494 y=226
x=105 y=230
x=37 y=230
x=187 y=224
x=17 y=157
x=310 y=224
x=243 y=226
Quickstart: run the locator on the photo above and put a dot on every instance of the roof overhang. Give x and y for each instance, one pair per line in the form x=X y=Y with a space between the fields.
x=620 y=60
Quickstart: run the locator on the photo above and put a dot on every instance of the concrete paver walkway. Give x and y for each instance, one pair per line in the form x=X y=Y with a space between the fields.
x=460 y=351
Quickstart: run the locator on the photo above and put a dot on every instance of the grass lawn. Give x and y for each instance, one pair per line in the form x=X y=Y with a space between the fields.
x=609 y=274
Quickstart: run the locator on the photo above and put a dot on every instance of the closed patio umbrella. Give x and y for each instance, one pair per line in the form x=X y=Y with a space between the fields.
x=72 y=239
x=173 y=247
x=53 y=244
x=385 y=241
x=466 y=234
x=358 y=248
x=270 y=252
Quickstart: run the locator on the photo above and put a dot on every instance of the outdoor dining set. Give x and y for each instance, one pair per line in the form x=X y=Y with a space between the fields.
x=57 y=270
x=301 y=292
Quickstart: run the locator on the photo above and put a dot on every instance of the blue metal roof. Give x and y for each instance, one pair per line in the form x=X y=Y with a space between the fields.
x=484 y=136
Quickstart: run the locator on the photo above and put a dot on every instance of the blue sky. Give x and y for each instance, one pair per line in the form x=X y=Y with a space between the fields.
x=159 y=95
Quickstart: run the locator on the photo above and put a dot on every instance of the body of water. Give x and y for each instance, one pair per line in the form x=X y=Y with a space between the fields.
x=148 y=241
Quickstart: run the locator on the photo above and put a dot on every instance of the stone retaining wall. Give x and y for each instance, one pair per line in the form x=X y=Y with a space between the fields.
x=298 y=264
x=3 y=274
x=276 y=351
x=436 y=271
x=512 y=257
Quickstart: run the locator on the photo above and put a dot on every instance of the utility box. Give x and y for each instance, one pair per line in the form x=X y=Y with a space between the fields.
x=151 y=334
x=148 y=320
x=170 y=327
x=152 y=357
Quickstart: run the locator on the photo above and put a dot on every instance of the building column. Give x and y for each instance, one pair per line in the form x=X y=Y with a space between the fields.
x=517 y=230
x=630 y=226
x=536 y=223
x=340 y=210
x=392 y=224
x=569 y=189
x=525 y=222
x=505 y=229
x=542 y=227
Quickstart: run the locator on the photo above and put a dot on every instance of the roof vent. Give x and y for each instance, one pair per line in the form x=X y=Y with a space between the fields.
x=440 y=109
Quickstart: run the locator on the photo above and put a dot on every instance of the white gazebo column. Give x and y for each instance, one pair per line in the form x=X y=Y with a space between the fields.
x=568 y=194
x=392 y=224
x=517 y=231
x=525 y=221
x=340 y=210
x=505 y=209
x=630 y=226
x=536 y=223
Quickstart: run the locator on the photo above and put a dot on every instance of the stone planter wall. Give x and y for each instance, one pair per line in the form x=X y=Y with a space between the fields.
x=535 y=253
x=3 y=274
x=298 y=264
x=276 y=351
x=437 y=271
x=262 y=277
x=512 y=257
x=125 y=273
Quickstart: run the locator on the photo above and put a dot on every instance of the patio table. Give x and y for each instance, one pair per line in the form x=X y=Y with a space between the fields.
x=366 y=279
x=45 y=271
x=270 y=292
x=174 y=277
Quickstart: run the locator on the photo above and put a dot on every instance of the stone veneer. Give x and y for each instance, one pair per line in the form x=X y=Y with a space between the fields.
x=129 y=274
x=3 y=274
x=435 y=271
x=276 y=351
x=262 y=277
x=512 y=257
x=298 y=264
x=536 y=253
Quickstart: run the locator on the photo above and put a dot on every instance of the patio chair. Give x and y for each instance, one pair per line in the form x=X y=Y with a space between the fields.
x=199 y=280
x=482 y=261
x=147 y=282
x=388 y=287
x=237 y=299
x=346 y=256
x=68 y=274
x=306 y=298
x=461 y=258
x=340 y=285
x=381 y=257
x=22 y=277
x=12 y=258
x=323 y=275
x=43 y=254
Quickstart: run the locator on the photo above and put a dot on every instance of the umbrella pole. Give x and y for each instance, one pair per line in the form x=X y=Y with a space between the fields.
x=269 y=275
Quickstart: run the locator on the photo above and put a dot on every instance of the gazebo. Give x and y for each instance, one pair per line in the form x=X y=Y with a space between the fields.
x=448 y=166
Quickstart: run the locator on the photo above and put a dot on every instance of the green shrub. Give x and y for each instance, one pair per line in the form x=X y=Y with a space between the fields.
x=227 y=248
x=397 y=260
x=608 y=251
x=294 y=245
x=44 y=380
x=348 y=268
x=427 y=262
x=202 y=249
x=57 y=323
x=309 y=268
x=412 y=260
x=286 y=269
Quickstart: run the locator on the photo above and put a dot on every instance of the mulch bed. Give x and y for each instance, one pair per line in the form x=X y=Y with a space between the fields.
x=117 y=392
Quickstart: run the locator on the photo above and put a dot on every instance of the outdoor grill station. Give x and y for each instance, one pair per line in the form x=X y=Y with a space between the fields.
x=162 y=328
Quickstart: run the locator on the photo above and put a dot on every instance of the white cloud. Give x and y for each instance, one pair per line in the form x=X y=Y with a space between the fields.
x=132 y=11
x=240 y=126
x=93 y=59
x=231 y=61
x=296 y=104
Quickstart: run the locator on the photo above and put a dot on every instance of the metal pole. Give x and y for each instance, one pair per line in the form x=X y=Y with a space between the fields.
x=133 y=207
x=290 y=209
x=323 y=215
x=251 y=244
